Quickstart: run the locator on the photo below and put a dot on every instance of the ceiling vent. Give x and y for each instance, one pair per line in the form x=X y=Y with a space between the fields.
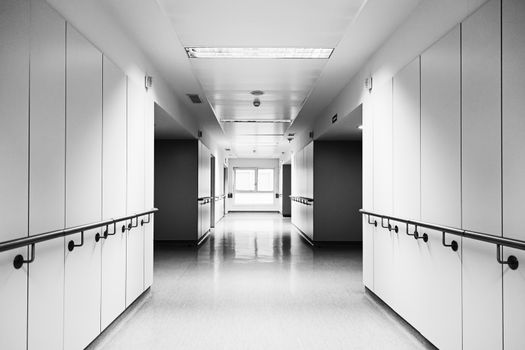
x=194 y=98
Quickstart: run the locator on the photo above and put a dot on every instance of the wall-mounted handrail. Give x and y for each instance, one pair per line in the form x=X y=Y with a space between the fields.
x=302 y=200
x=511 y=261
x=218 y=198
x=42 y=237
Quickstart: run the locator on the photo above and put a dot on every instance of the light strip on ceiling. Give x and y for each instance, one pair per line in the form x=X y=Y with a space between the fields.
x=270 y=121
x=259 y=52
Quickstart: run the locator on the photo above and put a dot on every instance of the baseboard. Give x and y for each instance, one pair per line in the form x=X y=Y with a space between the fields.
x=177 y=243
x=357 y=244
x=203 y=238
x=394 y=314
x=183 y=242
x=304 y=236
x=254 y=211
x=131 y=308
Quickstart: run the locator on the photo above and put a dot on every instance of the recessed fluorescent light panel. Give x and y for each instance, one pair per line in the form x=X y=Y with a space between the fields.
x=269 y=121
x=258 y=52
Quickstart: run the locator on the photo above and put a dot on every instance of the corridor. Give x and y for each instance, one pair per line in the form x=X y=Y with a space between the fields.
x=255 y=284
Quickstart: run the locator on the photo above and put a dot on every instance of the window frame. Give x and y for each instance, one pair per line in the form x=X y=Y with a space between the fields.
x=256 y=180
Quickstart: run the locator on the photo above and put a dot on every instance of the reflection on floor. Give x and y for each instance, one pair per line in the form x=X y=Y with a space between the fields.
x=256 y=285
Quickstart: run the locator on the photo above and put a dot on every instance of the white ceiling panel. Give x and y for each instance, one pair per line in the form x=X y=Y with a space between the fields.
x=269 y=23
x=227 y=84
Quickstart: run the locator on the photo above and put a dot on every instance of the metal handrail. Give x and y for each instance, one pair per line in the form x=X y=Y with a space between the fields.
x=512 y=261
x=302 y=200
x=42 y=237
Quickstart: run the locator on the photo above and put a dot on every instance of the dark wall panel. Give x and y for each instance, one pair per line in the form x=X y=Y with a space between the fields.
x=337 y=191
x=176 y=184
x=287 y=190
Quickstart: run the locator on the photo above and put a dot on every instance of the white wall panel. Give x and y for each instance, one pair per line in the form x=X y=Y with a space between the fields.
x=513 y=40
x=204 y=188
x=149 y=129
x=82 y=292
x=481 y=175
x=113 y=291
x=382 y=97
x=83 y=189
x=482 y=296
x=440 y=290
x=136 y=195
x=513 y=121
x=309 y=159
x=385 y=242
x=513 y=301
x=47 y=175
x=14 y=127
x=441 y=132
x=14 y=116
x=441 y=189
x=13 y=290
x=406 y=188
x=368 y=193
x=406 y=141
x=481 y=118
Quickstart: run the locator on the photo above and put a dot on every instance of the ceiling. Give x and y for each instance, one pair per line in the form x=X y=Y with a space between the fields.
x=296 y=90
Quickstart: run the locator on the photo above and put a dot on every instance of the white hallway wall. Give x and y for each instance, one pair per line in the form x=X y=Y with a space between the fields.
x=439 y=149
x=78 y=139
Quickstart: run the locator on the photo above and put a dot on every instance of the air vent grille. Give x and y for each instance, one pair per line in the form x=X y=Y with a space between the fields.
x=194 y=98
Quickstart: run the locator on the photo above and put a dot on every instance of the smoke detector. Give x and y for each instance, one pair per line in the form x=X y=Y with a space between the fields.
x=257 y=93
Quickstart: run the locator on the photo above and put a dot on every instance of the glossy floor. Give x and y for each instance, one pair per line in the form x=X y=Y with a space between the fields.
x=255 y=284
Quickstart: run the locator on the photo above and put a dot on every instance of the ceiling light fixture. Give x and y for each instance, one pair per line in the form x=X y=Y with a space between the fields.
x=259 y=52
x=270 y=121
